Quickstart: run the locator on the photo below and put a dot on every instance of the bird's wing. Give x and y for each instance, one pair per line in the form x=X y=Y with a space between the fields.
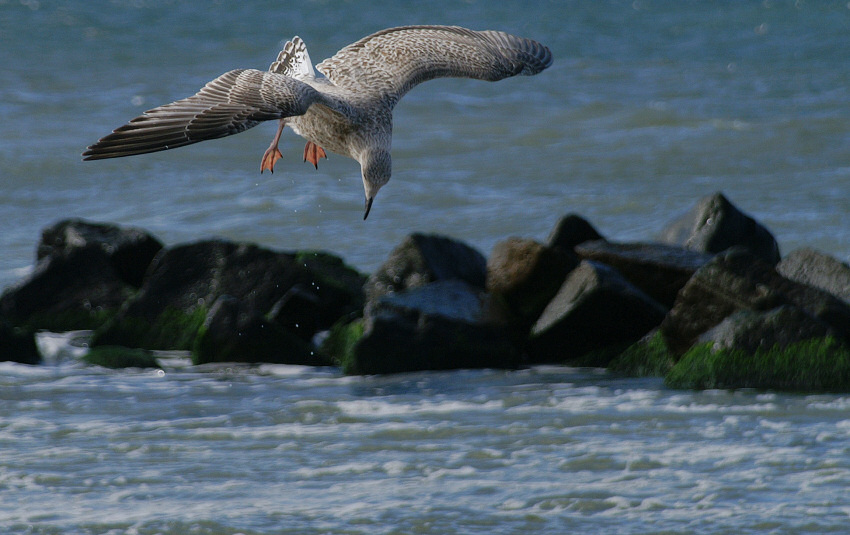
x=390 y=62
x=232 y=103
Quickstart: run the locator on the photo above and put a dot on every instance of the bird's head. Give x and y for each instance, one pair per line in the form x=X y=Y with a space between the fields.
x=376 y=169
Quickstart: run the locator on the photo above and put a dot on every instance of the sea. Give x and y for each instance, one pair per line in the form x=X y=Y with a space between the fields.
x=649 y=106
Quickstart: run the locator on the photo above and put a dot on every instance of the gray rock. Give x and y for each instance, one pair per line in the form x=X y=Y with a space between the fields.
x=421 y=259
x=443 y=325
x=817 y=269
x=751 y=331
x=595 y=308
x=524 y=275
x=715 y=224
x=572 y=230
x=736 y=280
x=130 y=249
x=657 y=269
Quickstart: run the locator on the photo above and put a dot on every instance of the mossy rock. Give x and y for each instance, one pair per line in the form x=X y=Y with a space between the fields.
x=341 y=342
x=814 y=365
x=172 y=329
x=117 y=357
x=70 y=320
x=648 y=357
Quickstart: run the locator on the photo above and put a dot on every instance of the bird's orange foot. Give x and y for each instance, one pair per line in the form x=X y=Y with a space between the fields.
x=271 y=156
x=313 y=152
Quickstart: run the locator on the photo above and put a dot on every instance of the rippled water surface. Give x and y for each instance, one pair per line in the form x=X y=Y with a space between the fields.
x=277 y=449
x=648 y=106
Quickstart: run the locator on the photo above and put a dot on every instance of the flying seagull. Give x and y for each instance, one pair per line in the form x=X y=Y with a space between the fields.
x=348 y=111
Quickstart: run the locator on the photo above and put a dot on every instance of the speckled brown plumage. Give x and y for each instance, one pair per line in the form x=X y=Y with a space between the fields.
x=348 y=112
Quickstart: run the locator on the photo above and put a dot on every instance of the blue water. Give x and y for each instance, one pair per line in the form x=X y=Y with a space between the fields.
x=649 y=106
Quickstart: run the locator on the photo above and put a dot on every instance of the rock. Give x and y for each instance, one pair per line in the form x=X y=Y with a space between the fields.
x=648 y=357
x=70 y=290
x=595 y=310
x=186 y=280
x=421 y=259
x=524 y=276
x=657 y=269
x=817 y=269
x=715 y=224
x=737 y=280
x=440 y=326
x=117 y=357
x=18 y=345
x=572 y=230
x=231 y=334
x=752 y=331
x=129 y=249
x=338 y=287
x=813 y=365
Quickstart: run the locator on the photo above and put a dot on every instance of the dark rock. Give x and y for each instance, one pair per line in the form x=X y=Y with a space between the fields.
x=737 y=280
x=715 y=224
x=339 y=288
x=232 y=334
x=186 y=280
x=298 y=311
x=572 y=230
x=18 y=344
x=817 y=269
x=421 y=259
x=129 y=249
x=751 y=331
x=117 y=357
x=443 y=325
x=659 y=270
x=524 y=276
x=594 y=310
x=73 y=290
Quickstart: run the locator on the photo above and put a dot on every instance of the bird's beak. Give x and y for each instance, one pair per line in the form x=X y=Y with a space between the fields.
x=368 y=207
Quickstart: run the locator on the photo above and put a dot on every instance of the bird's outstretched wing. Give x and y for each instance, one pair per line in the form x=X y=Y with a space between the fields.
x=390 y=62
x=232 y=103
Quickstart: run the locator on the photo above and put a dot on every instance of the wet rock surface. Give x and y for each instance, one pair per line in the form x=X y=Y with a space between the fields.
x=706 y=309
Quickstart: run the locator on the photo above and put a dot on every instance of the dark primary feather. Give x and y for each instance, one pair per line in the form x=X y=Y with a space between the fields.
x=232 y=103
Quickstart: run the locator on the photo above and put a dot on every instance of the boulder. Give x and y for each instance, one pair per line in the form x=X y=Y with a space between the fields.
x=648 y=357
x=69 y=290
x=715 y=224
x=736 y=280
x=129 y=249
x=752 y=331
x=440 y=326
x=118 y=357
x=657 y=269
x=572 y=230
x=186 y=280
x=523 y=275
x=18 y=345
x=233 y=334
x=421 y=259
x=595 y=310
x=817 y=269
x=783 y=348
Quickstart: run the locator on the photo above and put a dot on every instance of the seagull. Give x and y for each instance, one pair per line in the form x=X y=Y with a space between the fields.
x=347 y=111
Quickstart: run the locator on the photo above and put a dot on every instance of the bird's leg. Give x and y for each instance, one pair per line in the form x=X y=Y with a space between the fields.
x=313 y=152
x=272 y=153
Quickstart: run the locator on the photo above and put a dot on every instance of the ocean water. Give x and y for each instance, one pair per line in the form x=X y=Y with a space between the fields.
x=648 y=106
